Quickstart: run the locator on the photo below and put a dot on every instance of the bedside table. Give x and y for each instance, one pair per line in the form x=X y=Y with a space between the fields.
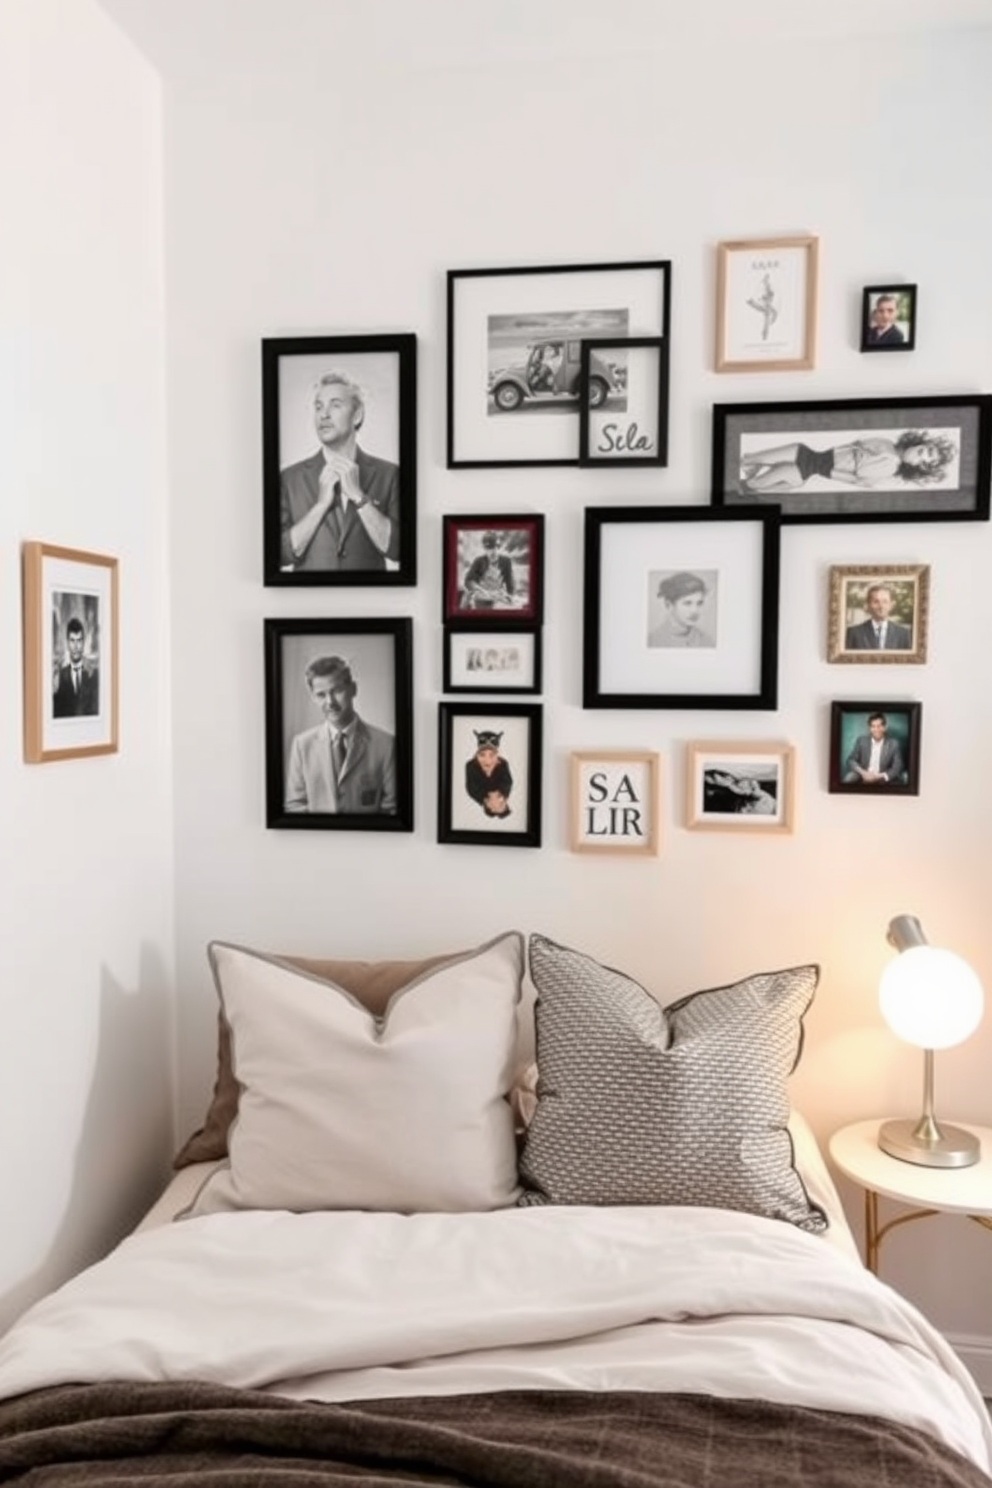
x=966 y=1191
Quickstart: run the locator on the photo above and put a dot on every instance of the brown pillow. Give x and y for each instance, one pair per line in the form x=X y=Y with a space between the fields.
x=372 y=982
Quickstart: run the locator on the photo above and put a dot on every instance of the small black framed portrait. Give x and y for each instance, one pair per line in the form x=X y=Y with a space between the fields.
x=505 y=659
x=875 y=748
x=493 y=568
x=888 y=317
x=339 y=724
x=339 y=427
x=489 y=774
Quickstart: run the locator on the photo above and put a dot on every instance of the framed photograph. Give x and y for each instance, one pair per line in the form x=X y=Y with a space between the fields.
x=493 y=568
x=766 y=305
x=680 y=608
x=746 y=787
x=489 y=774
x=339 y=724
x=857 y=460
x=614 y=802
x=70 y=653
x=888 y=317
x=879 y=614
x=339 y=453
x=875 y=748
x=626 y=423
x=507 y=659
x=515 y=354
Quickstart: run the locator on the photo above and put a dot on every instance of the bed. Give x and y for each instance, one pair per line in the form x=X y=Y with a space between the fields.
x=363 y=1274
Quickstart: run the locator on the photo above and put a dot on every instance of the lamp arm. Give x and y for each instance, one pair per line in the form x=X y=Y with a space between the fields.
x=926 y=1128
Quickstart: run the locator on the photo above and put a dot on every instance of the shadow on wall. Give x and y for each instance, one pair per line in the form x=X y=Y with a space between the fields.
x=125 y=1144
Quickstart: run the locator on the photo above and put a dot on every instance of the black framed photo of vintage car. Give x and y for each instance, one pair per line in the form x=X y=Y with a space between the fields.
x=907 y=459
x=339 y=456
x=505 y=658
x=628 y=427
x=888 y=317
x=339 y=724
x=515 y=347
x=680 y=607
x=489 y=774
x=493 y=568
x=875 y=748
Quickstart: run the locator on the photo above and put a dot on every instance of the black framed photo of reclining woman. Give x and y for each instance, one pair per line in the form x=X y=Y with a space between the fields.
x=919 y=459
x=493 y=568
x=489 y=774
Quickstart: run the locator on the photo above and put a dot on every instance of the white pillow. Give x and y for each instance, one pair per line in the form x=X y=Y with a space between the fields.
x=342 y=1110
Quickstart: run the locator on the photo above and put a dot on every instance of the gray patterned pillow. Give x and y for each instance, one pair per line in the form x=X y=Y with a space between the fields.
x=687 y=1104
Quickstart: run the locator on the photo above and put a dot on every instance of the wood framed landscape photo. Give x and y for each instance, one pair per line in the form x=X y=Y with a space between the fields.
x=740 y=787
x=489 y=774
x=493 y=568
x=908 y=459
x=515 y=347
x=875 y=748
x=504 y=659
x=680 y=608
x=339 y=724
x=878 y=614
x=627 y=425
x=339 y=455
x=888 y=317
x=71 y=668
x=614 y=802
x=766 y=304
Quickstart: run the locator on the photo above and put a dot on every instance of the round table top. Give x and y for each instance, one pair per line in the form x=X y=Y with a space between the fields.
x=857 y=1154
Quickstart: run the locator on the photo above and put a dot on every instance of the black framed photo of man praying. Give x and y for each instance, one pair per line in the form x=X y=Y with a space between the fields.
x=339 y=724
x=489 y=774
x=339 y=453
x=680 y=607
x=919 y=459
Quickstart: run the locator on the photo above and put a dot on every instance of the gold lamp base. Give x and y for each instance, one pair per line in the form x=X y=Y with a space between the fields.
x=929 y=1145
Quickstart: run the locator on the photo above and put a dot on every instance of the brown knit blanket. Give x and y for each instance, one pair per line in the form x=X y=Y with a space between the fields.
x=209 y=1436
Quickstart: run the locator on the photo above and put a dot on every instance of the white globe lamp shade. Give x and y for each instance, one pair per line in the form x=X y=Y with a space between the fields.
x=930 y=997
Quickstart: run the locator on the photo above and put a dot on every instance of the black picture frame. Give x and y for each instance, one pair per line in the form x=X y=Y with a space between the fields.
x=513 y=588
x=641 y=565
x=298 y=769
x=609 y=435
x=463 y=816
x=900 y=335
x=342 y=551
x=850 y=738
x=957 y=427
x=498 y=322
x=503 y=659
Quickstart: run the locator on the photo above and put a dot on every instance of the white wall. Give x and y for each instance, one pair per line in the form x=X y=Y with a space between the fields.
x=324 y=168
x=86 y=913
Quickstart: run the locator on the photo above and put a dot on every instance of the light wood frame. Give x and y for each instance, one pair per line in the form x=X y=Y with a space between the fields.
x=799 y=248
x=65 y=589
x=907 y=582
x=606 y=813
x=739 y=759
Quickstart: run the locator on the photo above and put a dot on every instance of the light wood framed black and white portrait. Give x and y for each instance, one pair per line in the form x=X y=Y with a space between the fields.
x=339 y=427
x=680 y=608
x=489 y=774
x=71 y=668
x=339 y=724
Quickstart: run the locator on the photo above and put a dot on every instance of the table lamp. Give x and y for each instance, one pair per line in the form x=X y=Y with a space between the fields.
x=933 y=999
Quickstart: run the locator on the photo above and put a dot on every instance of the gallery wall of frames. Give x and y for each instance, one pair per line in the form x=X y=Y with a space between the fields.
x=563 y=365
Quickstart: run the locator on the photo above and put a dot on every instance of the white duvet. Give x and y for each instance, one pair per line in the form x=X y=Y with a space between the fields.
x=347 y=1306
